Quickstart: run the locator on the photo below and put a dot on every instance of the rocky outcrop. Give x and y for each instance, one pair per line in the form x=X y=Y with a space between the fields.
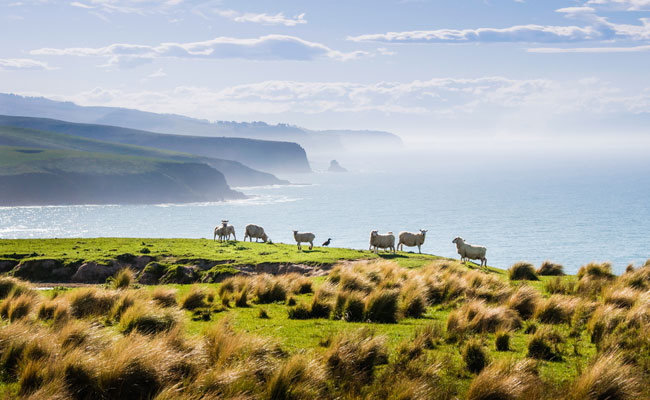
x=336 y=167
x=38 y=270
x=92 y=272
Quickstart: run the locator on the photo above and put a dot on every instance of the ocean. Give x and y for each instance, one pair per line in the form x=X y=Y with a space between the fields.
x=571 y=220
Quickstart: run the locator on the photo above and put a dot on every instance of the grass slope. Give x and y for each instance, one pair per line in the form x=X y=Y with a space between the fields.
x=236 y=253
x=31 y=176
x=236 y=173
x=260 y=154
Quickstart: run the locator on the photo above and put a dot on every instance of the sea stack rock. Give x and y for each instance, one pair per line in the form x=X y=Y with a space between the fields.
x=336 y=167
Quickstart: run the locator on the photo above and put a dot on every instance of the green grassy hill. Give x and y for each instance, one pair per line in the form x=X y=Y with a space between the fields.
x=260 y=154
x=31 y=176
x=236 y=173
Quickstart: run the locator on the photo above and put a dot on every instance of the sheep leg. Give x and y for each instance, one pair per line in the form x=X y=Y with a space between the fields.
x=419 y=249
x=311 y=245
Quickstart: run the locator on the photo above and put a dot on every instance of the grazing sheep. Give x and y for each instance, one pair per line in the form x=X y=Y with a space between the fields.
x=470 y=252
x=305 y=237
x=220 y=230
x=254 y=231
x=378 y=241
x=411 y=239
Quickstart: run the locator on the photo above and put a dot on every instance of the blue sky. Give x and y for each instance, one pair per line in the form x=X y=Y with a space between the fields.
x=422 y=69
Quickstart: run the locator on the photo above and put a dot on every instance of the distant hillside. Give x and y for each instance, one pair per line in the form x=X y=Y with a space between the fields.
x=316 y=142
x=236 y=173
x=30 y=176
x=259 y=154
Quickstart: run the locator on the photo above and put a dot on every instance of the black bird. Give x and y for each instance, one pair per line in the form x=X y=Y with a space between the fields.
x=327 y=243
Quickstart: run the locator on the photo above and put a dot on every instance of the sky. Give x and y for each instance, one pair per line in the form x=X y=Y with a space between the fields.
x=515 y=70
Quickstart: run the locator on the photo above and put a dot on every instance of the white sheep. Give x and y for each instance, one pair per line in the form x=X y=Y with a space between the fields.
x=224 y=231
x=255 y=231
x=378 y=241
x=220 y=231
x=305 y=237
x=411 y=239
x=470 y=252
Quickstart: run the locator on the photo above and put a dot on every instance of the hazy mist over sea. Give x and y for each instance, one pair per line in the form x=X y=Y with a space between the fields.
x=522 y=206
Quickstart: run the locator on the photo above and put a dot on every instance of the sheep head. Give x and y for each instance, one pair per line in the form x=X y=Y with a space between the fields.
x=458 y=240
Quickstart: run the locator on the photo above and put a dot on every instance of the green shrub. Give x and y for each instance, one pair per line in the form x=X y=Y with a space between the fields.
x=475 y=356
x=522 y=271
x=382 y=306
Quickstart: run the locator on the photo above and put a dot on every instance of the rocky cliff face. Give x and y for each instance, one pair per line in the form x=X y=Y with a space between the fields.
x=166 y=183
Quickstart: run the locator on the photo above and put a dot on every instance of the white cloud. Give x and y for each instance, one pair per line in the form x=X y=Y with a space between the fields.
x=597 y=29
x=549 y=50
x=629 y=5
x=440 y=99
x=269 y=47
x=11 y=64
x=264 y=19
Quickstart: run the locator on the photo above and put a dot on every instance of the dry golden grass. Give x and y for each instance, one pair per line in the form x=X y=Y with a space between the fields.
x=507 y=380
x=550 y=268
x=524 y=301
x=477 y=317
x=556 y=309
x=608 y=377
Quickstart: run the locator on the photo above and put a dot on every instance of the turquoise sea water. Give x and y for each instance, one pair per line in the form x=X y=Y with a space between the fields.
x=603 y=217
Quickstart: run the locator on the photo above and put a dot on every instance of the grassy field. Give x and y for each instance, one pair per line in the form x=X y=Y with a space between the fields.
x=400 y=327
x=234 y=253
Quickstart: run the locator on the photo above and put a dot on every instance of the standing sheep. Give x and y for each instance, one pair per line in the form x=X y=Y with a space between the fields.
x=220 y=231
x=305 y=237
x=378 y=241
x=411 y=239
x=470 y=252
x=255 y=231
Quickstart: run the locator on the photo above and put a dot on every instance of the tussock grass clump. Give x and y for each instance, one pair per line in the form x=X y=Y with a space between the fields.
x=90 y=302
x=556 y=309
x=320 y=305
x=413 y=299
x=638 y=279
x=502 y=341
x=524 y=301
x=352 y=357
x=603 y=321
x=32 y=376
x=299 y=311
x=429 y=335
x=53 y=310
x=269 y=290
x=596 y=271
x=349 y=306
x=623 y=298
x=10 y=285
x=124 y=279
x=232 y=285
x=545 y=344
x=80 y=334
x=146 y=320
x=608 y=377
x=559 y=286
x=299 y=378
x=16 y=307
x=263 y=314
x=475 y=356
x=352 y=281
x=522 y=271
x=164 y=297
x=477 y=317
x=241 y=298
x=299 y=284
x=195 y=298
x=507 y=380
x=486 y=287
x=382 y=306
x=548 y=268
